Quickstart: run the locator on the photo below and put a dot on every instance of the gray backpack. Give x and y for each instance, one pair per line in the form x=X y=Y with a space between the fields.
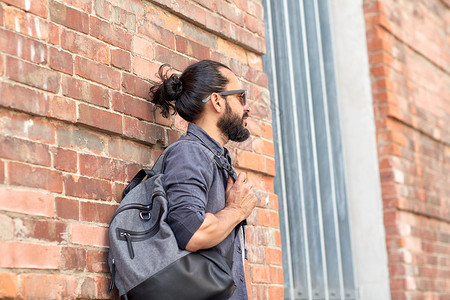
x=144 y=258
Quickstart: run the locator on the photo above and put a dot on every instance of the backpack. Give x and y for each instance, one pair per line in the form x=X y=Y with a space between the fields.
x=144 y=258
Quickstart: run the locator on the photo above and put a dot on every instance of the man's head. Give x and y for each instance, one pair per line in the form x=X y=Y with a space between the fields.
x=206 y=93
x=233 y=121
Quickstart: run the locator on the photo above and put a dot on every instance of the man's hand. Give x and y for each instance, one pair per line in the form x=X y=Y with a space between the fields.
x=240 y=201
x=240 y=196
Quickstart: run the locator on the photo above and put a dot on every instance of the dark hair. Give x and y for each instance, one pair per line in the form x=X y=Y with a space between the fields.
x=196 y=83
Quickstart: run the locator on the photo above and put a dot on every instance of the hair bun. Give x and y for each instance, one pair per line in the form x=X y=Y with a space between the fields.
x=173 y=87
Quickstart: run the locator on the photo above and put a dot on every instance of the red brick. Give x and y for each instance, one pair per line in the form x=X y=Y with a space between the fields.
x=37 y=8
x=22 y=126
x=264 y=147
x=23 y=47
x=88 y=288
x=23 y=255
x=267 y=132
x=65 y=160
x=26 y=151
x=231 y=12
x=2 y=64
x=17 y=97
x=73 y=258
x=135 y=86
x=97 y=72
x=124 y=18
x=132 y=170
x=85 y=46
x=61 y=61
x=276 y=292
x=212 y=5
x=89 y=188
x=97 y=212
x=103 y=9
x=254 y=25
x=190 y=10
x=252 y=161
x=8 y=285
x=27 y=24
x=49 y=286
x=156 y=33
x=276 y=275
x=258 y=291
x=132 y=106
x=89 y=235
x=102 y=285
x=21 y=174
x=26 y=202
x=85 y=91
x=69 y=17
x=121 y=59
x=67 y=208
x=99 y=118
x=258 y=235
x=81 y=139
x=53 y=33
x=260 y=274
x=267 y=218
x=217 y=24
x=144 y=131
x=193 y=49
x=256 y=9
x=97 y=261
x=2 y=172
x=63 y=109
x=143 y=46
x=175 y=60
x=176 y=120
x=145 y=68
x=124 y=149
x=273 y=256
x=101 y=167
x=32 y=75
x=84 y=5
x=258 y=77
x=270 y=166
x=42 y=230
x=173 y=136
x=118 y=189
x=110 y=34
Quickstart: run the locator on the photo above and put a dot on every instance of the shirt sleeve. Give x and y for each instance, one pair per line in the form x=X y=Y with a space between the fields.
x=187 y=177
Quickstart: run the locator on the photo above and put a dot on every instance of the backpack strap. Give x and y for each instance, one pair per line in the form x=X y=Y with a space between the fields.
x=221 y=161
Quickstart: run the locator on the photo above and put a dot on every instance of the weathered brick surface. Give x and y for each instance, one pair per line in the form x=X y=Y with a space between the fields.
x=76 y=125
x=410 y=87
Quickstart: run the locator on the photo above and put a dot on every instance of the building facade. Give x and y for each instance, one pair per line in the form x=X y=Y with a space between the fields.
x=350 y=109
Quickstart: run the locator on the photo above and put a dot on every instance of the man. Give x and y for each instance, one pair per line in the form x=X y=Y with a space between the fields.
x=205 y=203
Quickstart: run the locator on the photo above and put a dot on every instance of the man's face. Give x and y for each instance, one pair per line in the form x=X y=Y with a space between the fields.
x=233 y=121
x=232 y=124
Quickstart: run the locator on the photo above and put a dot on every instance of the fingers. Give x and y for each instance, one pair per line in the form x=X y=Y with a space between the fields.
x=229 y=183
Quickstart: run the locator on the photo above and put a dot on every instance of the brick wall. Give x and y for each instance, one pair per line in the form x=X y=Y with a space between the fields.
x=76 y=126
x=409 y=54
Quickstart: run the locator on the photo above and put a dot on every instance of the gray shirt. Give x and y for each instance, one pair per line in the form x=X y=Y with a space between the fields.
x=195 y=185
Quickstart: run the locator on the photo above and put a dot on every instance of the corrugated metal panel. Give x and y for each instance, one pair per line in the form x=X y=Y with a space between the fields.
x=317 y=256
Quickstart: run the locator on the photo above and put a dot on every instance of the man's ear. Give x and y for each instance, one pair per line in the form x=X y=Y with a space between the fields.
x=217 y=102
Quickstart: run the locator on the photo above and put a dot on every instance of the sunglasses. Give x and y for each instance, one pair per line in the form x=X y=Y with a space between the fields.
x=242 y=95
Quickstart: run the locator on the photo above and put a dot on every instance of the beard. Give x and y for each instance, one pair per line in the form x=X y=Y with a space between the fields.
x=232 y=126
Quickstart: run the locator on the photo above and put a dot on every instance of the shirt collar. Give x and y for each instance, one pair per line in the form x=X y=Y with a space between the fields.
x=222 y=152
x=206 y=139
